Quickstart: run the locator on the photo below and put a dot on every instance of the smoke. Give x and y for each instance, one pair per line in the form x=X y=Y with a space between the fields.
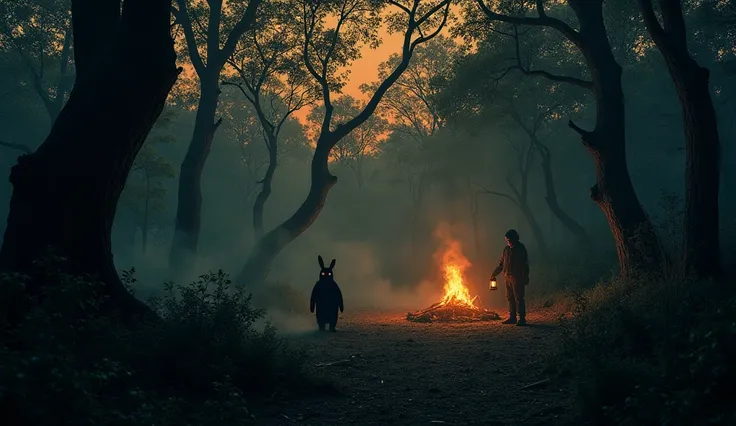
x=449 y=251
x=364 y=286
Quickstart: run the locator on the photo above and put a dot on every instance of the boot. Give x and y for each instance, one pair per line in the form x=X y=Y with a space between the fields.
x=522 y=311
x=511 y=320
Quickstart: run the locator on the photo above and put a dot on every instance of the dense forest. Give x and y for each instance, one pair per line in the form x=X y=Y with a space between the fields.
x=153 y=144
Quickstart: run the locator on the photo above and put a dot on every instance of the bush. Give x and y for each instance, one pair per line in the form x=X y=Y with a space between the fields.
x=63 y=362
x=652 y=352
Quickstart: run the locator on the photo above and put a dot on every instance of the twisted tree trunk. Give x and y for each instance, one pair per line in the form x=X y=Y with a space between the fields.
x=65 y=193
x=258 y=263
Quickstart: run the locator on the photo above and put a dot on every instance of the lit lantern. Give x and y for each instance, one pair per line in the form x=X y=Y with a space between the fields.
x=493 y=285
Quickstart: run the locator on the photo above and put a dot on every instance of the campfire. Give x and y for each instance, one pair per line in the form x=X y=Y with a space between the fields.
x=456 y=305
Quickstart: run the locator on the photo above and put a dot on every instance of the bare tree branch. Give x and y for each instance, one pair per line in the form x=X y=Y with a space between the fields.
x=542 y=20
x=585 y=84
x=498 y=194
x=182 y=16
x=244 y=24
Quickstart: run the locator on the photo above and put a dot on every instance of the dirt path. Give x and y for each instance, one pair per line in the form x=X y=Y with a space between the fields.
x=410 y=374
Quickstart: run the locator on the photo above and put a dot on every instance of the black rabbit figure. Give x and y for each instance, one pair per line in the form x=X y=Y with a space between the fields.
x=326 y=297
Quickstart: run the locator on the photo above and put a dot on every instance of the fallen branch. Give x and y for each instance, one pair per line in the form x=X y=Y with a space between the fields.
x=535 y=384
x=452 y=312
x=334 y=363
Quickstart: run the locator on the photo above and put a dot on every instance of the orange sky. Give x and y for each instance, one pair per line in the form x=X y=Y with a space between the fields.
x=365 y=69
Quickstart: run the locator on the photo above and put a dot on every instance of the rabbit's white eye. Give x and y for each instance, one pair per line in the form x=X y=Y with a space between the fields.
x=329 y=273
x=323 y=273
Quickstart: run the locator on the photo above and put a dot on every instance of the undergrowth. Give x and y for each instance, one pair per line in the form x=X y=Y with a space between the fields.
x=66 y=361
x=652 y=352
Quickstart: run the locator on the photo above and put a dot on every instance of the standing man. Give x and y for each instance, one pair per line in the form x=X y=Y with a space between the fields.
x=514 y=263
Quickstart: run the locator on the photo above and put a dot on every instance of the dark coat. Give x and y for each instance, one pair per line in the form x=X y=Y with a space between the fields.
x=327 y=298
x=514 y=263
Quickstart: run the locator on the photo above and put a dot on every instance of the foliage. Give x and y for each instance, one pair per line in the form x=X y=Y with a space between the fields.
x=652 y=352
x=243 y=128
x=271 y=74
x=410 y=163
x=412 y=102
x=327 y=50
x=39 y=34
x=65 y=361
x=412 y=110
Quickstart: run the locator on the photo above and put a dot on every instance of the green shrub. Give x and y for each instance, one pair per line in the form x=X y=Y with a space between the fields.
x=652 y=352
x=63 y=362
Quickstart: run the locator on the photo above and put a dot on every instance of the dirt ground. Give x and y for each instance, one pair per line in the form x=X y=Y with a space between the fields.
x=407 y=373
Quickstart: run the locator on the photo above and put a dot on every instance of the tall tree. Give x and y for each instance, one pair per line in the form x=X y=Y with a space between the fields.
x=324 y=50
x=636 y=241
x=702 y=144
x=65 y=194
x=40 y=33
x=274 y=81
x=209 y=46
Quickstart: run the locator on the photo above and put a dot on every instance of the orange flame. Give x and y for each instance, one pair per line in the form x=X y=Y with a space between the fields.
x=454 y=264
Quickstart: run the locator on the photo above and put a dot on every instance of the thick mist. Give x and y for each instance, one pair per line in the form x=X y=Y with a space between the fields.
x=396 y=205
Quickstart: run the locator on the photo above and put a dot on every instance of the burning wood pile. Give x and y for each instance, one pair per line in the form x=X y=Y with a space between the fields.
x=456 y=305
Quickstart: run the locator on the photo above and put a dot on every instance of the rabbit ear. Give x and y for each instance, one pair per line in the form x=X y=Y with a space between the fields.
x=321 y=262
x=332 y=264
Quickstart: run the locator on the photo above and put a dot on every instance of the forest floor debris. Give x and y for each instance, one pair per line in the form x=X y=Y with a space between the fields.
x=408 y=373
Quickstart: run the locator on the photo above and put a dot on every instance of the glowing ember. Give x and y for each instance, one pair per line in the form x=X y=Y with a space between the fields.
x=456 y=304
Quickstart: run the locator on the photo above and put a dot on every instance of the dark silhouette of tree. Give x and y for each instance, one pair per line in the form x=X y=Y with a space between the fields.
x=517 y=103
x=209 y=47
x=324 y=50
x=637 y=245
x=65 y=193
x=702 y=143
